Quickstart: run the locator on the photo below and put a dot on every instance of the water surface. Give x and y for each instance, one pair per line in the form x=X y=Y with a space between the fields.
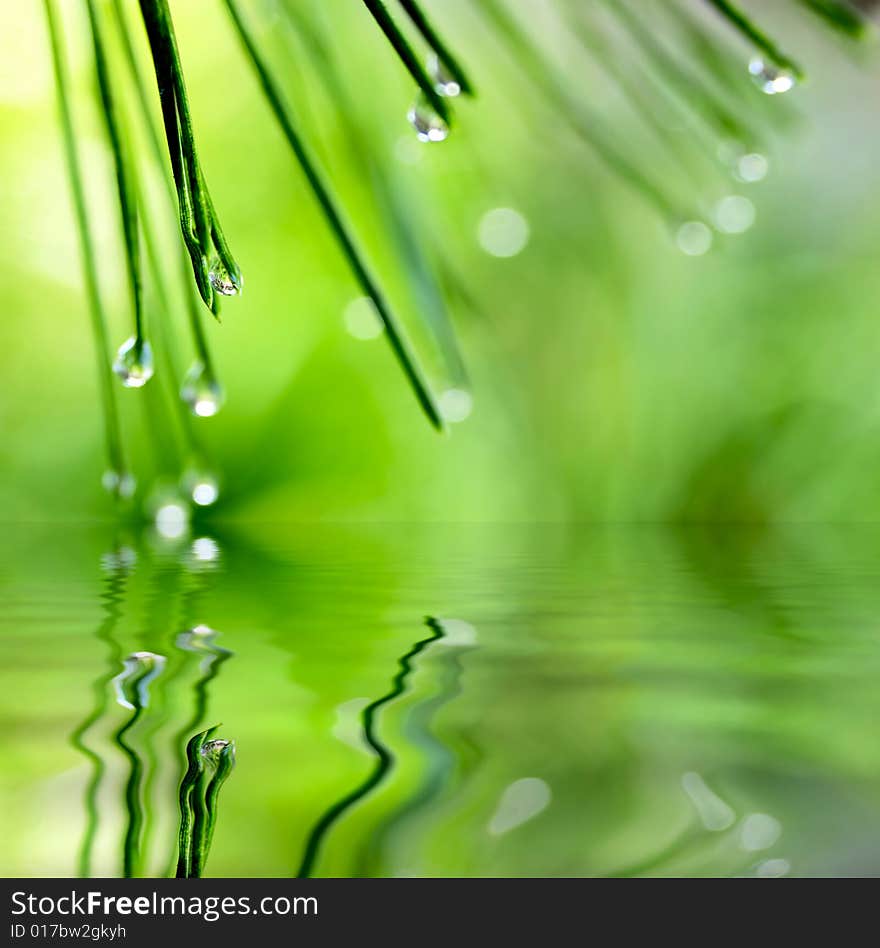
x=435 y=701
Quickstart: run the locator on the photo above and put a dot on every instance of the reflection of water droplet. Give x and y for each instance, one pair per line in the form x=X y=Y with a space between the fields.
x=759 y=831
x=444 y=83
x=770 y=78
x=503 y=232
x=172 y=519
x=752 y=167
x=120 y=560
x=694 y=238
x=455 y=404
x=205 y=550
x=715 y=814
x=423 y=117
x=734 y=214
x=201 y=391
x=134 y=362
x=139 y=668
x=361 y=319
x=522 y=801
x=773 y=869
x=121 y=485
x=196 y=639
x=224 y=282
x=457 y=632
x=212 y=751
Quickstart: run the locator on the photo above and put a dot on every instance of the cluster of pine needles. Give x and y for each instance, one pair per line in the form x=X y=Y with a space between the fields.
x=699 y=69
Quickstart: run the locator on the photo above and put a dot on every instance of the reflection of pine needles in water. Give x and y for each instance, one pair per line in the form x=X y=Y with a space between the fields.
x=133 y=687
x=680 y=73
x=209 y=763
x=384 y=757
x=111 y=598
x=418 y=728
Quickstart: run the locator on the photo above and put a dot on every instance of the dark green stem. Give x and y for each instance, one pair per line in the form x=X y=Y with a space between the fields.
x=198 y=333
x=112 y=434
x=322 y=193
x=124 y=186
x=406 y=55
x=431 y=37
x=738 y=19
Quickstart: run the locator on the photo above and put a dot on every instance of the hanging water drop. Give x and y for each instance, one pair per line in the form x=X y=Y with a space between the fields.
x=752 y=168
x=444 y=82
x=120 y=484
x=455 y=405
x=734 y=214
x=423 y=117
x=172 y=519
x=224 y=282
x=694 y=238
x=204 y=490
x=770 y=78
x=201 y=391
x=134 y=362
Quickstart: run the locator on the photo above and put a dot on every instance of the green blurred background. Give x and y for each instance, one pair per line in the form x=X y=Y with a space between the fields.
x=614 y=378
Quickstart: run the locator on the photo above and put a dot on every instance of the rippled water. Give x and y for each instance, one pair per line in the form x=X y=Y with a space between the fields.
x=445 y=700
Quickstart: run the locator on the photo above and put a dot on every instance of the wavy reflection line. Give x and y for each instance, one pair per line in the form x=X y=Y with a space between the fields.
x=440 y=761
x=384 y=757
x=112 y=598
x=200 y=641
x=141 y=669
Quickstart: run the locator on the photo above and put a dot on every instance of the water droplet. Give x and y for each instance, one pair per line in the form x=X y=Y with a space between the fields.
x=770 y=78
x=132 y=683
x=715 y=814
x=759 y=831
x=201 y=391
x=134 y=363
x=361 y=319
x=751 y=168
x=224 y=282
x=205 y=491
x=444 y=83
x=694 y=238
x=172 y=519
x=521 y=801
x=119 y=484
x=201 y=485
x=455 y=405
x=734 y=214
x=503 y=232
x=423 y=117
x=773 y=869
